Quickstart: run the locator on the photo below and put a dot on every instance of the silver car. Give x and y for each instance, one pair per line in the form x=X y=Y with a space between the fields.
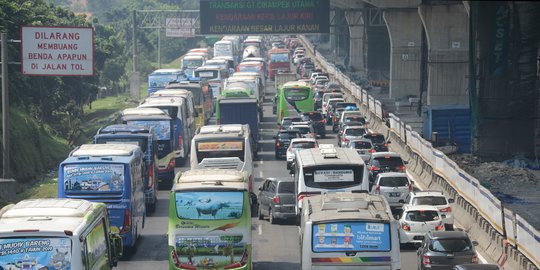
x=364 y=147
x=350 y=133
x=394 y=186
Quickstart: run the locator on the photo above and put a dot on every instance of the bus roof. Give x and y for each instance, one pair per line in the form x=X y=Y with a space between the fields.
x=348 y=205
x=100 y=150
x=230 y=129
x=49 y=215
x=205 y=175
x=194 y=56
x=161 y=101
x=168 y=92
x=296 y=84
x=125 y=128
x=143 y=111
x=328 y=156
x=166 y=71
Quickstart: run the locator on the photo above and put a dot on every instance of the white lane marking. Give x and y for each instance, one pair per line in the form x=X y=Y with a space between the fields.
x=260 y=174
x=262 y=161
x=260 y=229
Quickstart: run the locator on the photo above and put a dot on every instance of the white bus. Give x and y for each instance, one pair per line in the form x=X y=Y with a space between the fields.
x=224 y=147
x=348 y=231
x=328 y=169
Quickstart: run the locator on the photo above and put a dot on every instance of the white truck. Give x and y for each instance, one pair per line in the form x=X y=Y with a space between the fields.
x=57 y=234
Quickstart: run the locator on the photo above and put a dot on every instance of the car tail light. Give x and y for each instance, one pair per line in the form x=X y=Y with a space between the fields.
x=410 y=187
x=373 y=168
x=180 y=142
x=371 y=150
x=378 y=189
x=439 y=227
x=474 y=259
x=344 y=139
x=277 y=144
x=171 y=165
x=406 y=227
x=305 y=194
x=426 y=261
x=385 y=145
x=446 y=210
x=150 y=175
x=126 y=227
x=400 y=168
x=275 y=199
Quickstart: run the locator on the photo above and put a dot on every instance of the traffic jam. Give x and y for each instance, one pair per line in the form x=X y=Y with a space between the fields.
x=350 y=196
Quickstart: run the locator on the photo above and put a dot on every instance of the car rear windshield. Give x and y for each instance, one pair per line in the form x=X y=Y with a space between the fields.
x=432 y=200
x=313 y=116
x=361 y=145
x=303 y=130
x=286 y=187
x=450 y=245
x=303 y=145
x=388 y=161
x=345 y=104
x=288 y=135
x=394 y=181
x=375 y=138
x=350 y=119
x=355 y=131
x=422 y=215
x=333 y=176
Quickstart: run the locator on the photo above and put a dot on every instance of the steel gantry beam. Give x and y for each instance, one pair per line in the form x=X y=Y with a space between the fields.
x=356 y=15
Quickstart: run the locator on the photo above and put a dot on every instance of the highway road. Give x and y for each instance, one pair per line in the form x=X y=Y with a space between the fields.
x=274 y=246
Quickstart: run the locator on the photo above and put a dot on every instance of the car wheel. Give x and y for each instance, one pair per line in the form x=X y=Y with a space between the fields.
x=261 y=216
x=271 y=217
x=277 y=156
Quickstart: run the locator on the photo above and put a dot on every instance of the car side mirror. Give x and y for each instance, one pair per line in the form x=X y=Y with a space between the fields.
x=405 y=162
x=260 y=188
x=274 y=137
x=388 y=142
x=475 y=243
x=451 y=201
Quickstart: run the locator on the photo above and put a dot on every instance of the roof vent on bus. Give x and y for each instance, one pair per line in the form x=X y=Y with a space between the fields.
x=343 y=204
x=328 y=153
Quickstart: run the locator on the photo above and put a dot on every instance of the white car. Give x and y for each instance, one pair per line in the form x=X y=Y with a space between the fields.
x=416 y=221
x=437 y=199
x=394 y=186
x=306 y=130
x=364 y=147
x=298 y=57
x=298 y=144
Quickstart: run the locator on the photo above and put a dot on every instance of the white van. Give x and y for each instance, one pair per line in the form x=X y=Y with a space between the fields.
x=224 y=147
x=328 y=169
x=348 y=231
x=57 y=234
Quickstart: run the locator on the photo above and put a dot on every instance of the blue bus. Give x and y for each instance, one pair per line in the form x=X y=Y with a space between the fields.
x=164 y=126
x=162 y=77
x=111 y=174
x=146 y=139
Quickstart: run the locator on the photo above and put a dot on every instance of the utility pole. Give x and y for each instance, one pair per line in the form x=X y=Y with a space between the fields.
x=5 y=108
x=135 y=81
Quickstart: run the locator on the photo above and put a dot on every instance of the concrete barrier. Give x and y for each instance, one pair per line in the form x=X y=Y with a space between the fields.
x=8 y=189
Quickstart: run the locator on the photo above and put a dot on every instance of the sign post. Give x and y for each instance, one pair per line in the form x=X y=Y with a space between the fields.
x=5 y=108
x=57 y=51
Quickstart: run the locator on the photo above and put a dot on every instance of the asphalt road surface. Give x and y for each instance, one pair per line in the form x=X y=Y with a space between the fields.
x=274 y=246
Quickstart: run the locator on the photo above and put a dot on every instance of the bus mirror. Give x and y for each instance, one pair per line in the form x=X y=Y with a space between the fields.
x=117 y=248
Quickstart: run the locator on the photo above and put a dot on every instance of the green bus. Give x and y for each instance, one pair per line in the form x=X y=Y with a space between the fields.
x=294 y=98
x=210 y=221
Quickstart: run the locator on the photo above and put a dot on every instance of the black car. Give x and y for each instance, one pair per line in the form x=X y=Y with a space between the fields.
x=317 y=122
x=476 y=267
x=384 y=162
x=276 y=199
x=287 y=121
x=283 y=139
x=444 y=250
x=379 y=141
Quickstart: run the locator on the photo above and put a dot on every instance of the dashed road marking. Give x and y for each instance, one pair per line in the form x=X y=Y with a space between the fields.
x=260 y=229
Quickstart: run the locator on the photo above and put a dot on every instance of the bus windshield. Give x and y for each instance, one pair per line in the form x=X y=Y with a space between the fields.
x=249 y=68
x=220 y=149
x=192 y=63
x=209 y=205
x=333 y=176
x=35 y=253
x=296 y=94
x=223 y=49
x=93 y=177
x=351 y=236
x=140 y=141
x=160 y=81
x=161 y=127
x=279 y=57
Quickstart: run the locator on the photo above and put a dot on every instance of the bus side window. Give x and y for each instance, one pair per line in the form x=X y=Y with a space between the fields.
x=96 y=248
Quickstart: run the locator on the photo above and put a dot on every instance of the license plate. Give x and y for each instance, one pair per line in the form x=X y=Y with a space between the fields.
x=394 y=194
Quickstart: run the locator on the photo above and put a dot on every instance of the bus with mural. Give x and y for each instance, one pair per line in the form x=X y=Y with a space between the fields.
x=294 y=97
x=210 y=221
x=111 y=174
x=160 y=78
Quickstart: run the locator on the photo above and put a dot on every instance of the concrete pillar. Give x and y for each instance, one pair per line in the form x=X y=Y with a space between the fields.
x=446 y=29
x=332 y=35
x=356 y=40
x=405 y=32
